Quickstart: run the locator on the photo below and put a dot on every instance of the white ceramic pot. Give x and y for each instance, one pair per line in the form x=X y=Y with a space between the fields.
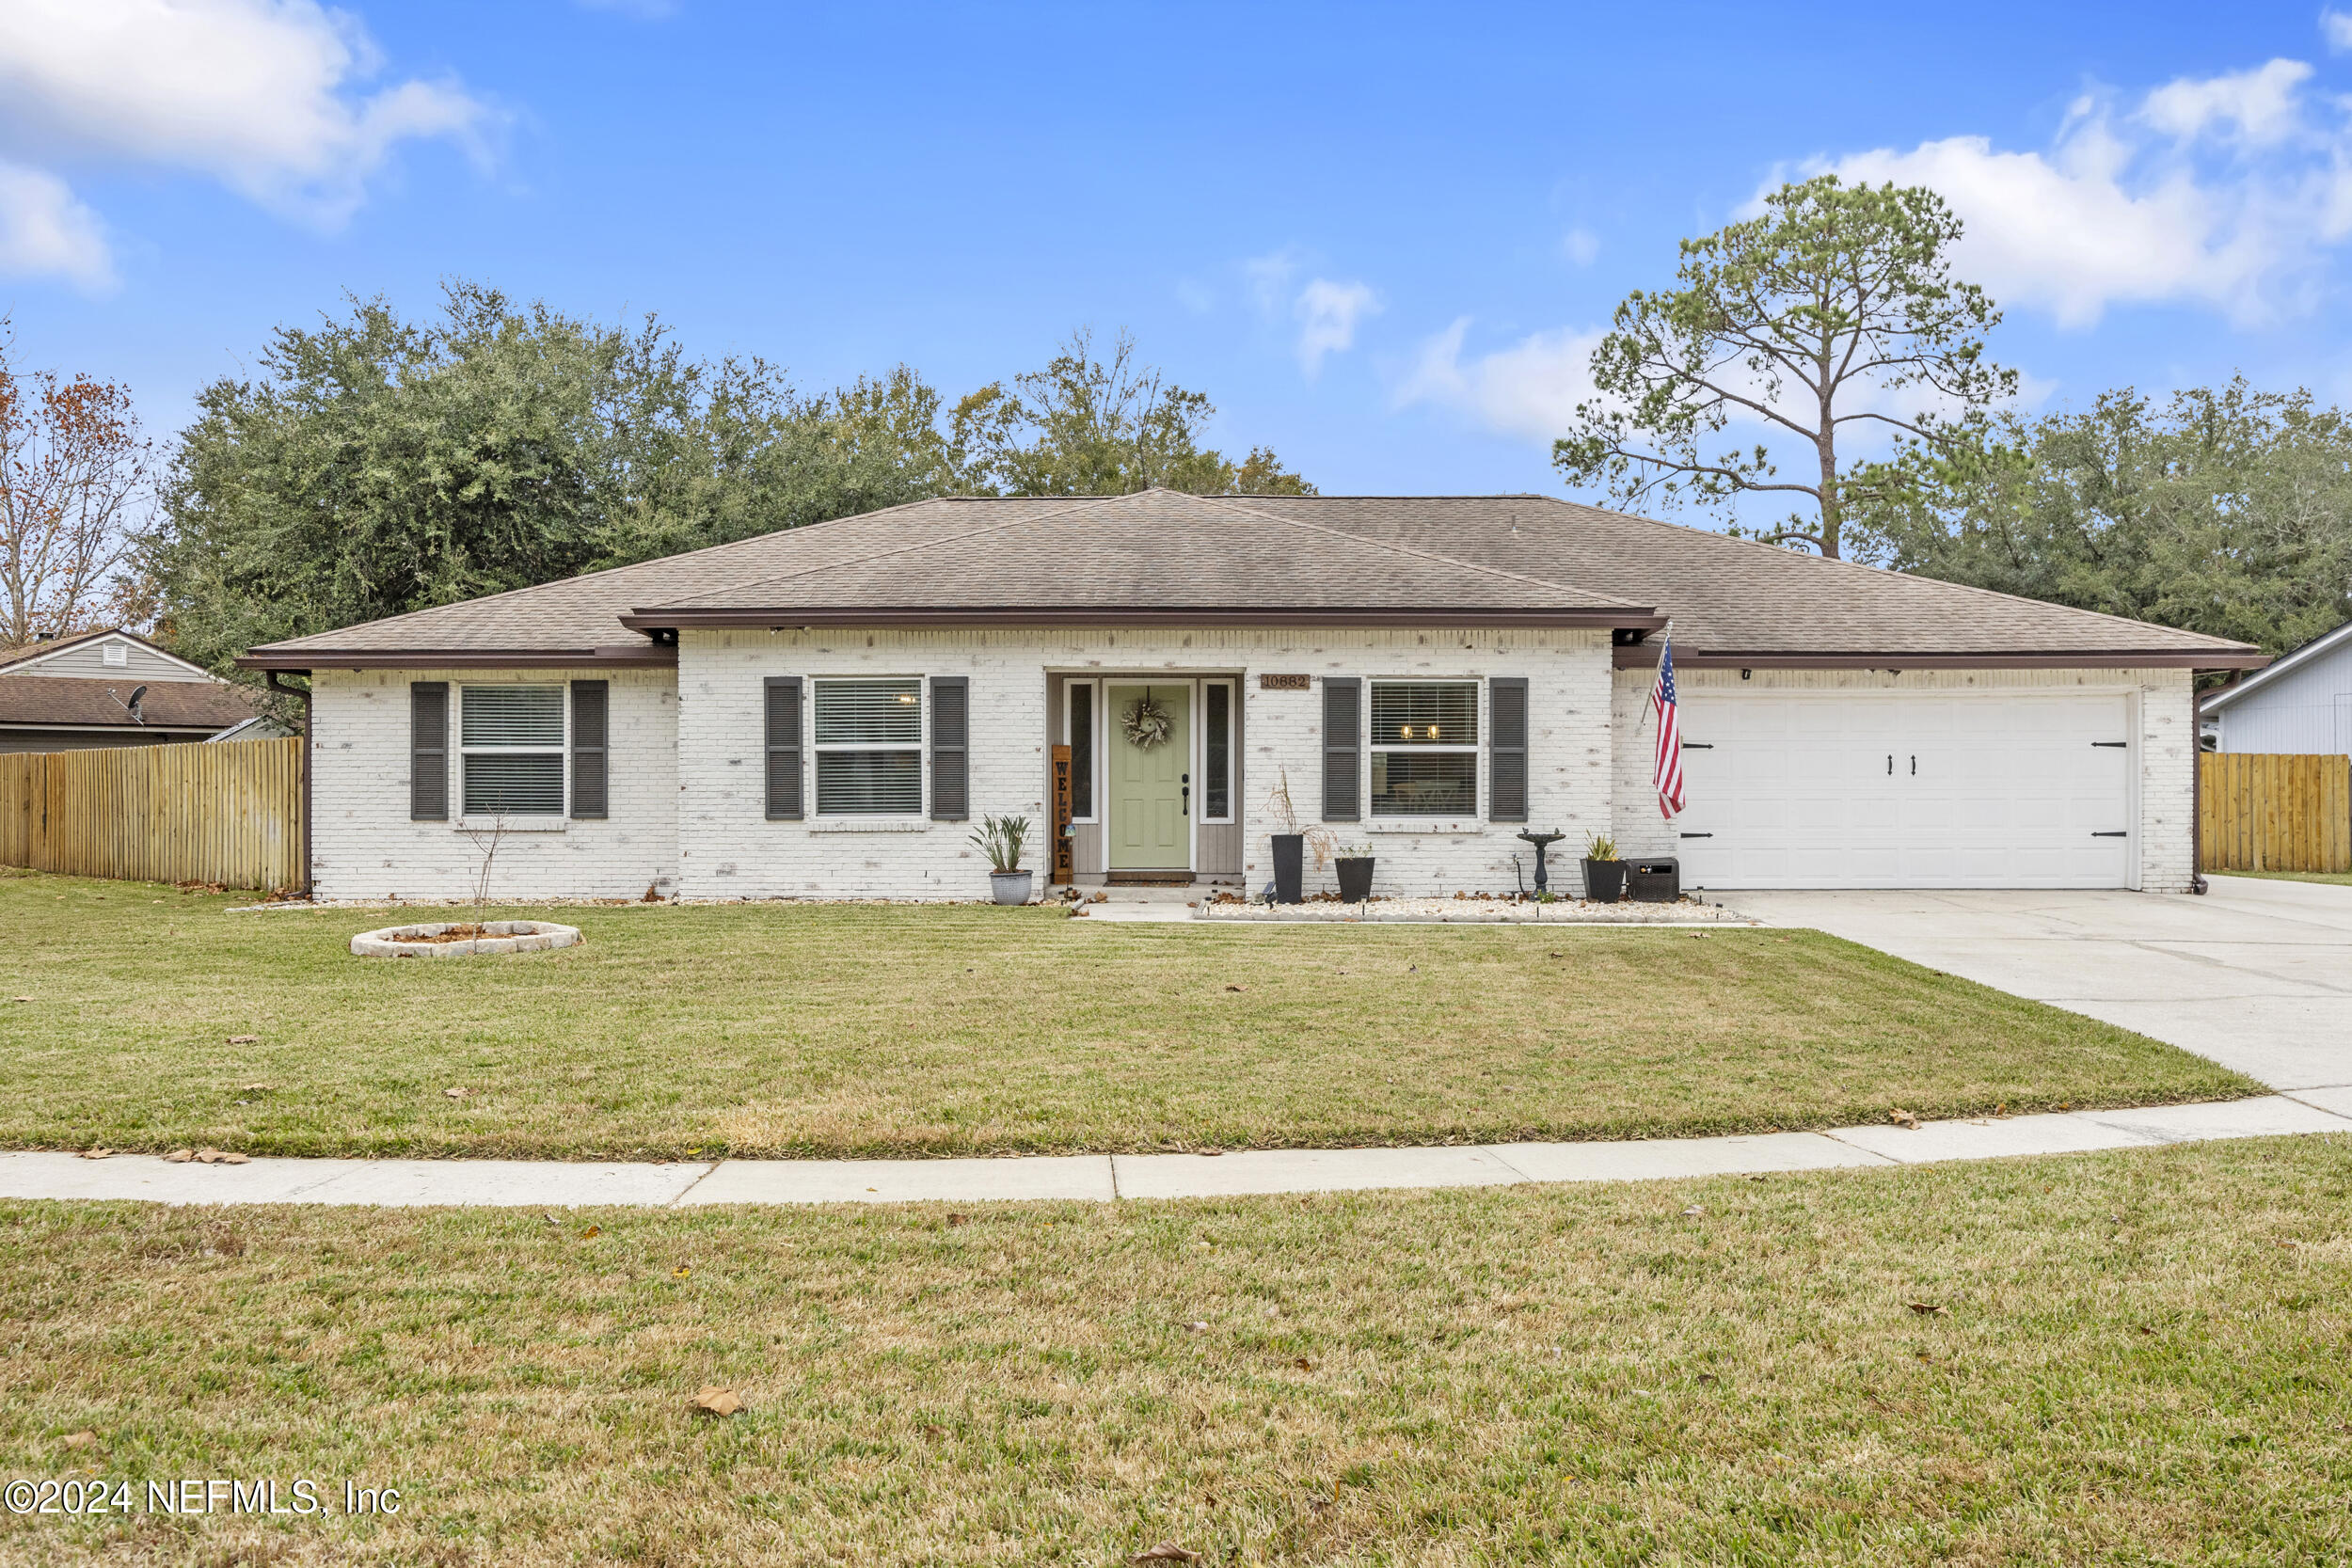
x=1010 y=887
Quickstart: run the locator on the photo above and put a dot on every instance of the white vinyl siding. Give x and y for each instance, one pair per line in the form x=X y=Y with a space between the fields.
x=868 y=738
x=512 y=738
x=1423 y=743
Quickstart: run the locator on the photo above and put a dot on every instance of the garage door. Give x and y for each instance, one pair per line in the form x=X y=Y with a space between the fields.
x=1958 y=791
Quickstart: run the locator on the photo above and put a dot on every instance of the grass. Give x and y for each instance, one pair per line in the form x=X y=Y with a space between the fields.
x=844 y=1030
x=2132 y=1359
x=2333 y=879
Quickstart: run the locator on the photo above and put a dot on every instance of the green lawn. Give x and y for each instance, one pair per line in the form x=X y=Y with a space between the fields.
x=870 y=1030
x=2131 y=1358
x=2333 y=879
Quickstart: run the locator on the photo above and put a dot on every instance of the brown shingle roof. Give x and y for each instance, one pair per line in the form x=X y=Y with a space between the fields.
x=1158 y=554
x=28 y=701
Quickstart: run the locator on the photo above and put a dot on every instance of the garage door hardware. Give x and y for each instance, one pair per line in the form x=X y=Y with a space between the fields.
x=2118 y=744
x=1698 y=835
x=2116 y=832
x=1698 y=745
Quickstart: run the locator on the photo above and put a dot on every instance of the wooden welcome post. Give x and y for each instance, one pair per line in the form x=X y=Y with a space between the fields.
x=1065 y=847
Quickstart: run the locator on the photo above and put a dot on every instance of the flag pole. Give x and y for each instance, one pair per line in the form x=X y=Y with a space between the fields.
x=1665 y=639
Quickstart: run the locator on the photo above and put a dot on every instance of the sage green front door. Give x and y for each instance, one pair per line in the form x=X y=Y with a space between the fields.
x=1151 y=825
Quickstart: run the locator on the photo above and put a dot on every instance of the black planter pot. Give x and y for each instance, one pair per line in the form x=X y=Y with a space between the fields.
x=1604 y=880
x=1290 y=851
x=1355 y=879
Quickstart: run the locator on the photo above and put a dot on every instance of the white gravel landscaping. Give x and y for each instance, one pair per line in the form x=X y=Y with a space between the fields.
x=1484 y=911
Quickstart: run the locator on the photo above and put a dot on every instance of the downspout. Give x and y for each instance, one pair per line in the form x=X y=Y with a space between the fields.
x=304 y=693
x=2196 y=787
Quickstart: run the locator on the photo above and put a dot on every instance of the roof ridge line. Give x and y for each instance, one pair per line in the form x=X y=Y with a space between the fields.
x=1424 y=555
x=1075 y=503
x=1888 y=572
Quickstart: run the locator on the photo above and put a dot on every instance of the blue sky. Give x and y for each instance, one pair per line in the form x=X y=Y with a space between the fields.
x=1381 y=238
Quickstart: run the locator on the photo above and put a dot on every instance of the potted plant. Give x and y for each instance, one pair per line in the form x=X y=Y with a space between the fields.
x=1290 y=846
x=1354 y=863
x=1001 y=839
x=1604 y=873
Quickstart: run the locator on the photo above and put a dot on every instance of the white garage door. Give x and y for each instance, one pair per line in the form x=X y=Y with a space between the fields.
x=1971 y=790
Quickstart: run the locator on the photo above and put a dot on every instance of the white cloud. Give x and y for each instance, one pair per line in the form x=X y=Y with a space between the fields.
x=1530 y=389
x=2336 y=27
x=1581 y=245
x=2224 y=191
x=1327 y=313
x=45 y=232
x=262 y=95
x=2260 y=106
x=1269 y=276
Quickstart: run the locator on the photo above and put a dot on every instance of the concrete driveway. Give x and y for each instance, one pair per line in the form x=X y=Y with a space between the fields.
x=2256 y=975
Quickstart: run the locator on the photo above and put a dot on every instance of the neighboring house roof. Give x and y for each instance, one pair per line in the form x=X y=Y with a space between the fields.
x=59 y=701
x=2309 y=653
x=259 y=726
x=1159 y=555
x=32 y=656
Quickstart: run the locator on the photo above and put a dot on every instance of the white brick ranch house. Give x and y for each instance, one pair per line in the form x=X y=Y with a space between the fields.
x=820 y=712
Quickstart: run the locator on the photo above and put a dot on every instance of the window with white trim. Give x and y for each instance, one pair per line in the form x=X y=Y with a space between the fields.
x=1216 y=752
x=1082 y=700
x=1423 y=742
x=512 y=741
x=868 y=739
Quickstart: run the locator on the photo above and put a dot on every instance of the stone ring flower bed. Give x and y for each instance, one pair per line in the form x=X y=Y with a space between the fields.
x=454 y=940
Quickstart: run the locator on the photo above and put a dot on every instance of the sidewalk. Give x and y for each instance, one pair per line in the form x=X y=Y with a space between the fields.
x=1107 y=1177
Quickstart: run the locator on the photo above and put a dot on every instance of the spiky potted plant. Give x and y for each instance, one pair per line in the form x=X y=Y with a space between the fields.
x=1354 y=865
x=1002 y=839
x=1604 y=873
x=1292 y=844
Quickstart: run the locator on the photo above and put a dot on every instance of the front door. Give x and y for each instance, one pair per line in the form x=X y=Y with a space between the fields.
x=1151 y=825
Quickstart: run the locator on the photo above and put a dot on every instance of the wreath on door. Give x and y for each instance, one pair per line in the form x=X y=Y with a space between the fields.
x=1147 y=723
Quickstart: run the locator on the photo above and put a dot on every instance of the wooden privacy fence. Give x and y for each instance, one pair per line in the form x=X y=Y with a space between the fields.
x=228 y=813
x=2266 y=812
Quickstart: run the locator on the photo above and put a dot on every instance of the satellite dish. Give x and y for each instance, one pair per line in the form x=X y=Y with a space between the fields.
x=139 y=694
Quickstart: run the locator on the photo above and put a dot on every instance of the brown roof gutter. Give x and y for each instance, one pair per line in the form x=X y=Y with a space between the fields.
x=683 y=620
x=303 y=660
x=1645 y=656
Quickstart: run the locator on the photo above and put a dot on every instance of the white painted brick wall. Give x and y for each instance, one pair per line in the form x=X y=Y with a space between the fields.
x=2166 y=741
x=729 y=849
x=366 y=847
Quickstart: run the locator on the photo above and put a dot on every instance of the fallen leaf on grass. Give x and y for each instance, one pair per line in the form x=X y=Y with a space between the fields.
x=954 y=1220
x=1232 y=987
x=455 y=1094
x=1902 y=1117
x=255 y=1088
x=592 y=1233
x=932 y=1429
x=711 y=1400
x=1929 y=1309
x=1195 y=1328
x=680 y=1271
x=81 y=1440
x=1304 y=1365
x=1695 y=1211
x=221 y=1157
x=245 y=1040
x=1166 y=1551
x=96 y=1154
x=23 y=999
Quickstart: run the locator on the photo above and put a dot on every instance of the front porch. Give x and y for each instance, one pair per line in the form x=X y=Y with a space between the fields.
x=1145 y=780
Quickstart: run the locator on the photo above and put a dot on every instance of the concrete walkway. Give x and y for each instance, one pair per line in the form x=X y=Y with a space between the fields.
x=2256 y=975
x=1099 y=1178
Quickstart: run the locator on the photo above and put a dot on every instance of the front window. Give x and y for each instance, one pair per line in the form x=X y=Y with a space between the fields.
x=1081 y=750
x=870 y=748
x=513 y=741
x=1216 y=752
x=1424 y=747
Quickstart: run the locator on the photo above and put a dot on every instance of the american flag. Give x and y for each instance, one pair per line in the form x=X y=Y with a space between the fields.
x=1669 y=768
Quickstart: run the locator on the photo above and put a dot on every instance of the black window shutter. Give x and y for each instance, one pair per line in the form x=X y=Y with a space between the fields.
x=591 y=723
x=1506 y=749
x=428 y=750
x=1342 y=749
x=784 y=748
x=951 y=747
